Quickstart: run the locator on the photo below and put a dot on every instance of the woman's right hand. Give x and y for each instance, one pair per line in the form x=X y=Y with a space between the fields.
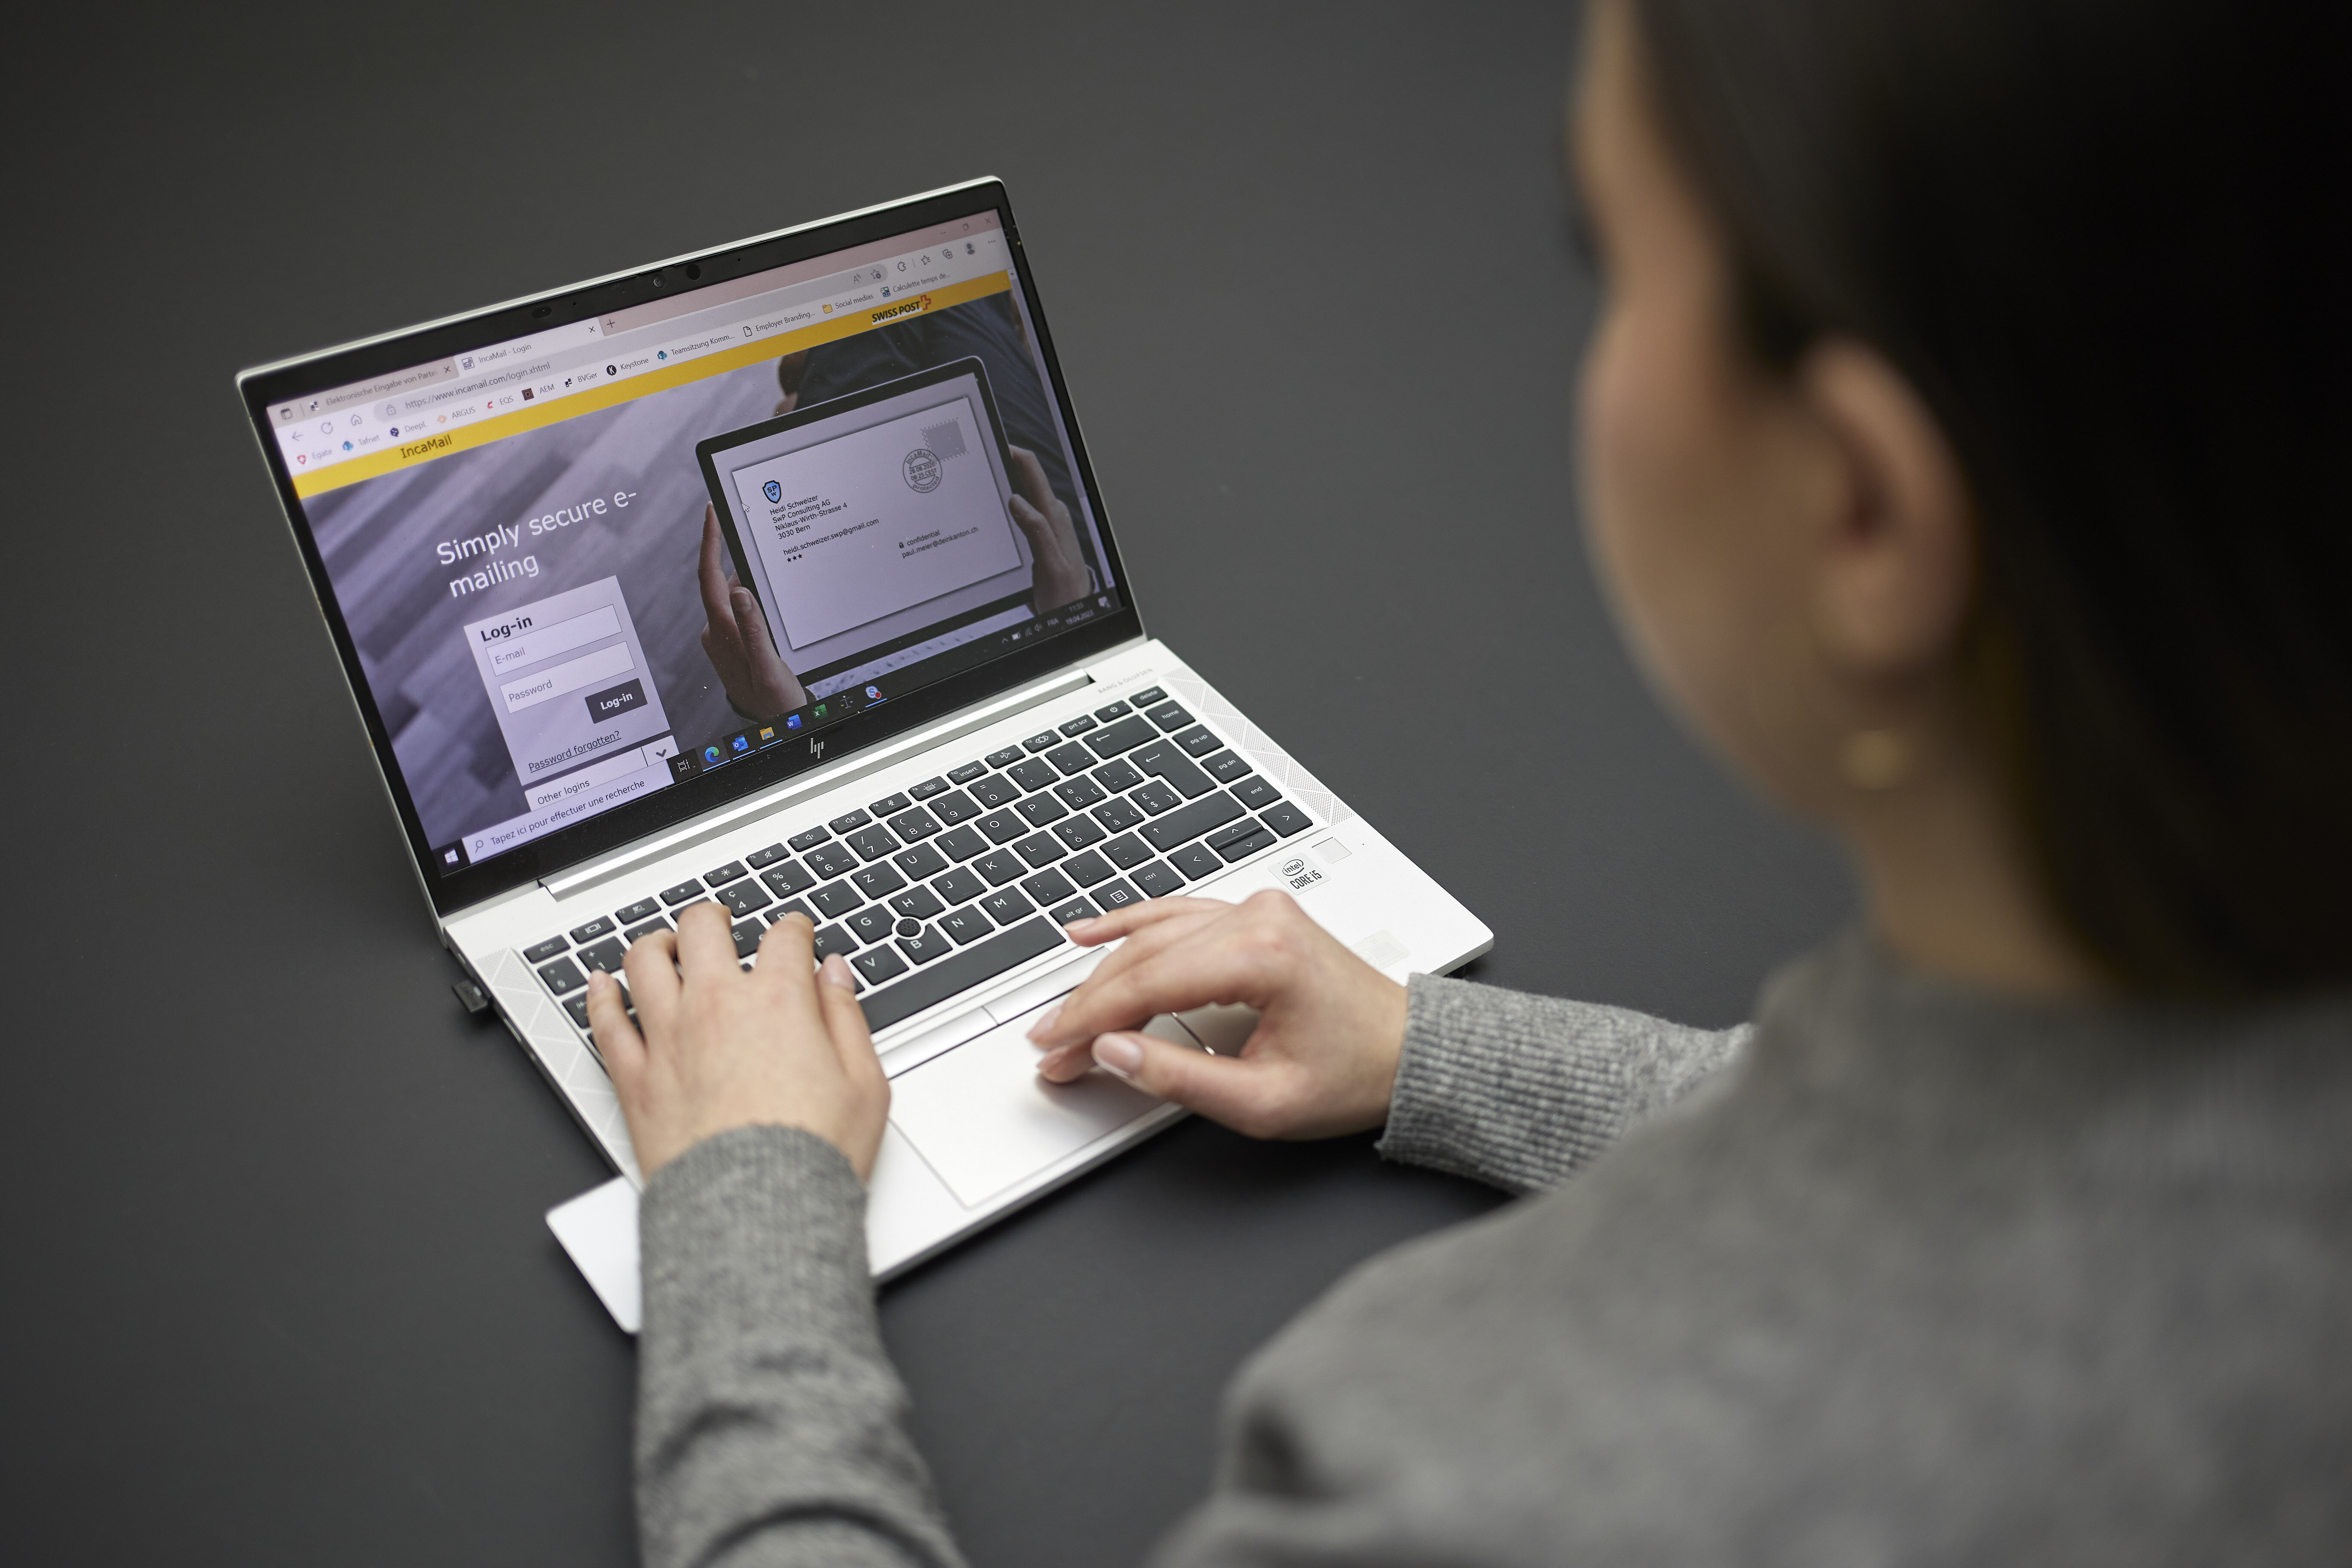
x=1322 y=1060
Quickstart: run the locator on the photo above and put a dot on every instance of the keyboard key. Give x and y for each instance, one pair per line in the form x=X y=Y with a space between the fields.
x=1005 y=758
x=961 y=844
x=1040 y=850
x=605 y=955
x=927 y=788
x=788 y=879
x=1155 y=797
x=1034 y=775
x=768 y=857
x=578 y=1007
x=1241 y=849
x=849 y=822
x=1147 y=696
x=1168 y=716
x=1114 y=894
x=809 y=840
x=924 y=946
x=1256 y=793
x=1043 y=741
x=954 y=807
x=1232 y=834
x=1158 y=880
x=1167 y=760
x=1124 y=736
x=1189 y=822
x=1000 y=867
x=683 y=893
x=935 y=982
x=742 y=897
x=794 y=908
x=911 y=825
x=1226 y=767
x=1286 y=819
x=1126 y=851
x=967 y=925
x=1078 y=726
x=1078 y=832
x=562 y=976
x=1006 y=907
x=889 y=804
x=1075 y=910
x=1117 y=776
x=545 y=950
x=1112 y=712
x=747 y=937
x=1072 y=760
x=995 y=790
x=1197 y=861
x=959 y=886
x=921 y=863
x=873 y=843
x=879 y=881
x=837 y=898
x=1119 y=815
x=600 y=926
x=1197 y=741
x=637 y=933
x=967 y=773
x=731 y=871
x=871 y=924
x=1048 y=887
x=1041 y=809
x=880 y=964
x=917 y=904
x=1084 y=869
x=830 y=860
x=1003 y=827
x=1078 y=793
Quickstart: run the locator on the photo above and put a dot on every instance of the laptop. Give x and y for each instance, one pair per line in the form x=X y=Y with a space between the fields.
x=776 y=575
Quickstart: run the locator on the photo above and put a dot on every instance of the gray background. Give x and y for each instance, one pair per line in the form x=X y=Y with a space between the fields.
x=279 y=1288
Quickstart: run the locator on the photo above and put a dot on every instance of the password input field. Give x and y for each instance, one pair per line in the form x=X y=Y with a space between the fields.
x=571 y=676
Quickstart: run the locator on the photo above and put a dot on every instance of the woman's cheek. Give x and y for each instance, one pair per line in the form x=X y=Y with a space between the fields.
x=1629 y=503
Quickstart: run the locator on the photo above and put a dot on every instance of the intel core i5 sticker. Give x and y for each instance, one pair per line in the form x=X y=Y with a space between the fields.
x=1299 y=873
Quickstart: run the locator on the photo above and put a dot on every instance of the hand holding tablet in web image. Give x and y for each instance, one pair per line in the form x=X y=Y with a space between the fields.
x=869 y=523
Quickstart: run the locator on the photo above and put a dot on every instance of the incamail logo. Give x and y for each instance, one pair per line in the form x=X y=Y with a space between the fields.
x=773 y=491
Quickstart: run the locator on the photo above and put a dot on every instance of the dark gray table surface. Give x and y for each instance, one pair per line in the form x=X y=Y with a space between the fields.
x=279 y=1290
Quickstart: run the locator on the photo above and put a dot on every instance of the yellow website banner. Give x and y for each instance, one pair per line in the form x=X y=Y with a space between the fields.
x=497 y=427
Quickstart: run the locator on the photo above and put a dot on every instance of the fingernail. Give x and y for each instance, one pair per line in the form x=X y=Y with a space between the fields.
x=1119 y=1055
x=1080 y=923
x=836 y=970
x=1044 y=1024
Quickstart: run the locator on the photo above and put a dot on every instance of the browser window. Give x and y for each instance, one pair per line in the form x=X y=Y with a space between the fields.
x=560 y=606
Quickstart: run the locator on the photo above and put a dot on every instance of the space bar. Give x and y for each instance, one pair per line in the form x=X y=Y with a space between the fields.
x=960 y=972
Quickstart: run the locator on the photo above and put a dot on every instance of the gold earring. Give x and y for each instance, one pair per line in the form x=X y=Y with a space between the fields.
x=1875 y=759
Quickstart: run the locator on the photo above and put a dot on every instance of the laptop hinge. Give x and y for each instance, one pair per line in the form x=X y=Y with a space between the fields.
x=807 y=787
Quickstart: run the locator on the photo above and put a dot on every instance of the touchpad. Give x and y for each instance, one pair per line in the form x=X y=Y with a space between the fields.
x=984 y=1119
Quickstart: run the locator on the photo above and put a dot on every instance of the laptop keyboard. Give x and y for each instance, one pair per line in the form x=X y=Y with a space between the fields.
x=966 y=876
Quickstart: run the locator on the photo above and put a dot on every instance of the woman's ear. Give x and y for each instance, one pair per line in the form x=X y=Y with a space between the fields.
x=1896 y=563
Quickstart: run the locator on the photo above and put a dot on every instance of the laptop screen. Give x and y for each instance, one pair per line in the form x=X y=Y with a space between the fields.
x=585 y=566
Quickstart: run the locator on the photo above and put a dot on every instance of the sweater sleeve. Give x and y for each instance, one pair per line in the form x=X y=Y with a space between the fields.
x=1519 y=1090
x=771 y=1429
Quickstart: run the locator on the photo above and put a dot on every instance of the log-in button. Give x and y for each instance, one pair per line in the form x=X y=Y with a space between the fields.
x=615 y=700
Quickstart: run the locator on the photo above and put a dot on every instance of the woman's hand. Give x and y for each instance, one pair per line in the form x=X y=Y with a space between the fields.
x=1329 y=1029
x=1057 y=572
x=783 y=1046
x=759 y=683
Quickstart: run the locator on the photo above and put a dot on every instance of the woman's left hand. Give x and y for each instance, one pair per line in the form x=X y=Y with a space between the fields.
x=715 y=1048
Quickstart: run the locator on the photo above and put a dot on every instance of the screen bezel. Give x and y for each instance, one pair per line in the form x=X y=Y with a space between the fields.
x=450 y=891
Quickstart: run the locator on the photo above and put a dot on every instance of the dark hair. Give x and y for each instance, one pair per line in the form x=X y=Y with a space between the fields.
x=2103 y=239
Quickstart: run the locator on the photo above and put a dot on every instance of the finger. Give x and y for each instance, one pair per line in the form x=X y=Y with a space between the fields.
x=1214 y=963
x=706 y=942
x=787 y=969
x=1101 y=929
x=718 y=605
x=1029 y=480
x=844 y=1020
x=1190 y=916
x=1241 y=1094
x=622 y=1049
x=651 y=965
x=769 y=671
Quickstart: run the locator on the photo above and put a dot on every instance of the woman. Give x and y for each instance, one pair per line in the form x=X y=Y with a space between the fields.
x=1957 y=435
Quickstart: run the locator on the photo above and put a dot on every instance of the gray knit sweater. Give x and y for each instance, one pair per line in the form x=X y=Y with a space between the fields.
x=1909 y=1275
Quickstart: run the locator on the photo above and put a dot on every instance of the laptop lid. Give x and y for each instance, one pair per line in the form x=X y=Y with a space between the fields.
x=599 y=560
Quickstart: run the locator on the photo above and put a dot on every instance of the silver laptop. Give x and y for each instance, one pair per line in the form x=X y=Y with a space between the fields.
x=777 y=575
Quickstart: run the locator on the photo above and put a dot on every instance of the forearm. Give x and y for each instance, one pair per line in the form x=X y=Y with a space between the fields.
x=1520 y=1090
x=771 y=1425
